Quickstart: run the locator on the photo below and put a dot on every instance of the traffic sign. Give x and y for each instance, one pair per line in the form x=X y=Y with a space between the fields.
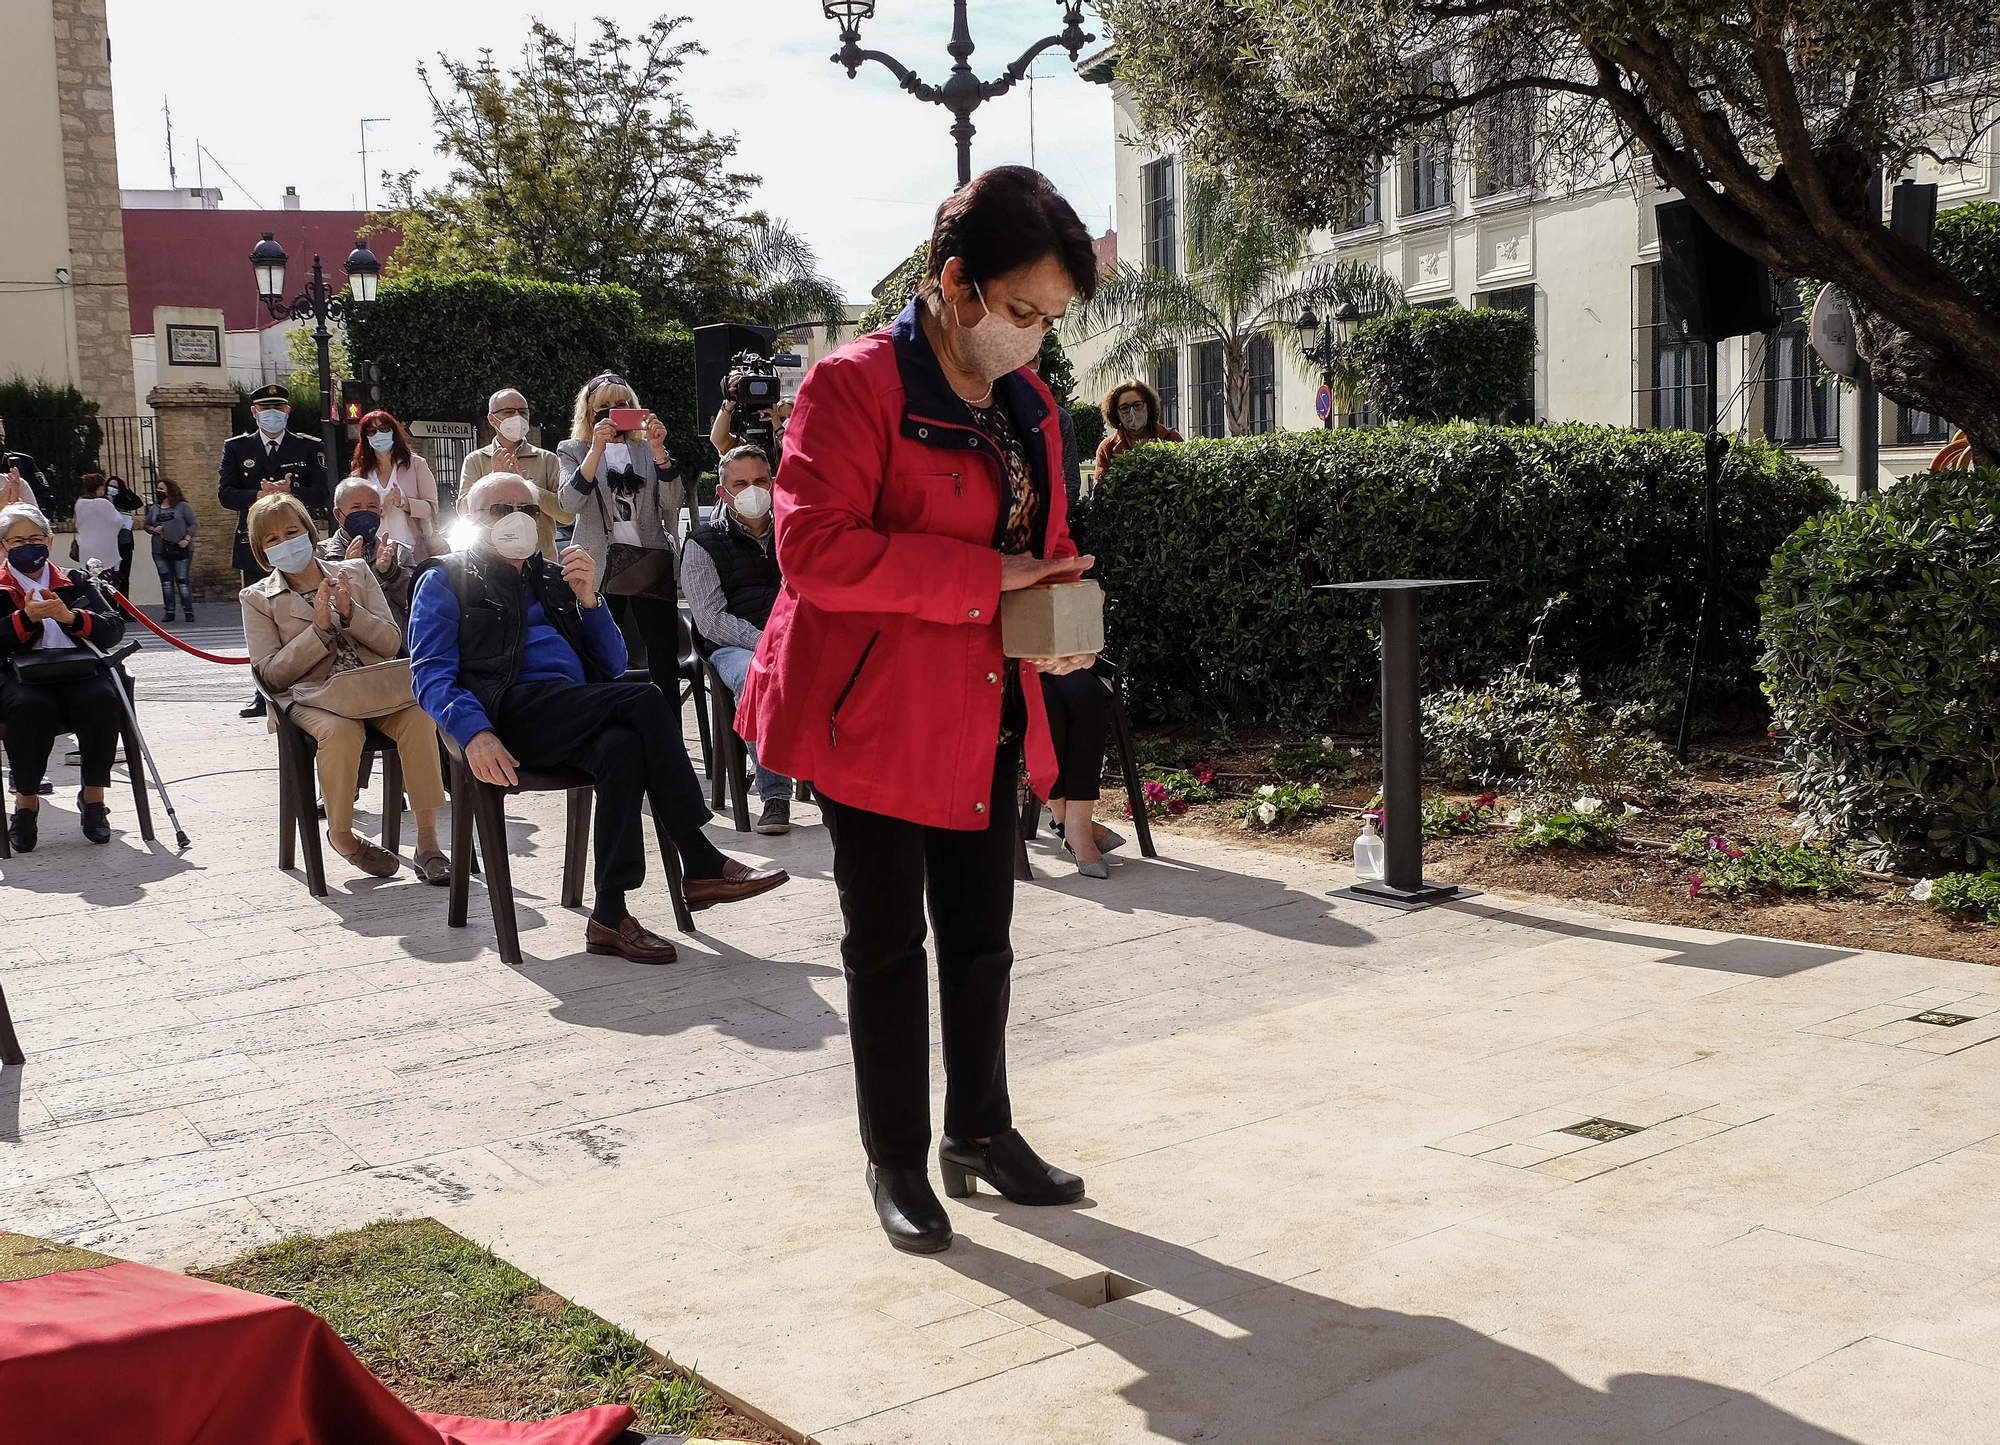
x=1323 y=403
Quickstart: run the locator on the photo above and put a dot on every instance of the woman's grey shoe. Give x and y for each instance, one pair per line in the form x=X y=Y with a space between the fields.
x=1099 y=869
x=1109 y=841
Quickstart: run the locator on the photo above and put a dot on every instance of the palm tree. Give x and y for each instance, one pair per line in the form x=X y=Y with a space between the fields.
x=786 y=288
x=1248 y=275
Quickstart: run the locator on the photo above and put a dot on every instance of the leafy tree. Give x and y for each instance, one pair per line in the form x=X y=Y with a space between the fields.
x=1243 y=280
x=584 y=164
x=1771 y=116
x=1449 y=365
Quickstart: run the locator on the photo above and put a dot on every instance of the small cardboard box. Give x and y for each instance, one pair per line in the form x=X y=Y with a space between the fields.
x=1064 y=619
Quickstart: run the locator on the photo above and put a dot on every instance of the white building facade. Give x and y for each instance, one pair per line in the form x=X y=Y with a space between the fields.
x=1584 y=266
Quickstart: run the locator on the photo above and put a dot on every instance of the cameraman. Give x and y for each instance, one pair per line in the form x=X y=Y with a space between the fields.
x=725 y=437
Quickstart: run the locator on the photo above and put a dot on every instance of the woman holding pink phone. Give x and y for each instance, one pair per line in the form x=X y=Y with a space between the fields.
x=625 y=493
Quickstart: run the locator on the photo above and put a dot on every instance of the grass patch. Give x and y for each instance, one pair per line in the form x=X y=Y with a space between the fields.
x=454 y=1329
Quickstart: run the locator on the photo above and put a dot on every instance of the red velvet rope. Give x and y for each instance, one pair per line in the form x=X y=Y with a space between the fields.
x=125 y=602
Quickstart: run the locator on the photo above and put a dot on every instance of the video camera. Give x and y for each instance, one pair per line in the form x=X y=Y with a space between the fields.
x=736 y=364
x=754 y=387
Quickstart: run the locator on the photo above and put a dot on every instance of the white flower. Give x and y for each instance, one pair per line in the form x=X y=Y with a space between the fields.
x=1514 y=816
x=1267 y=790
x=1356 y=754
x=1922 y=891
x=1267 y=814
x=1631 y=811
x=1586 y=806
x=1327 y=744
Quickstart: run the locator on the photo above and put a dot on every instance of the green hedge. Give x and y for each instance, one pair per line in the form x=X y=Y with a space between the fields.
x=1209 y=551
x=1089 y=421
x=1882 y=664
x=447 y=343
x=1435 y=366
x=54 y=423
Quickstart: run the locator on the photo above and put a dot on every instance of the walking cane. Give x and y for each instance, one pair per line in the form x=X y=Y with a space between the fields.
x=95 y=570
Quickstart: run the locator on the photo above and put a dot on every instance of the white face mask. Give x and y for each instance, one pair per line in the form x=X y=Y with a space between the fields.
x=996 y=346
x=752 y=502
x=1132 y=418
x=381 y=440
x=272 y=423
x=290 y=555
x=513 y=428
x=515 y=537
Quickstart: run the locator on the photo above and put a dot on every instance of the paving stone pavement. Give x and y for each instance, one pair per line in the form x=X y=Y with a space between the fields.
x=1330 y=1185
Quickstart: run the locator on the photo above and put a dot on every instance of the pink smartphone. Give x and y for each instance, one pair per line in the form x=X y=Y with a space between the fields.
x=629 y=418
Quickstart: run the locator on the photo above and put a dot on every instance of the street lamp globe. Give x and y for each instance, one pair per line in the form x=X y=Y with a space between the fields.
x=1307 y=323
x=849 y=13
x=267 y=258
x=363 y=274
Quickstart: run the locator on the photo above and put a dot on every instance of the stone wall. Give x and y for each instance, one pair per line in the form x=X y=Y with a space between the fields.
x=192 y=423
x=96 y=215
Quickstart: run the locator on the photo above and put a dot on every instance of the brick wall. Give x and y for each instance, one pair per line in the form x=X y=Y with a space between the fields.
x=96 y=217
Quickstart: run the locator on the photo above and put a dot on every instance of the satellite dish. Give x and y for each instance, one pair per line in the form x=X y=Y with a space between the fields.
x=1832 y=331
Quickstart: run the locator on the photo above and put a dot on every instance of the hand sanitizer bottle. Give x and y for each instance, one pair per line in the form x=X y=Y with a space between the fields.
x=1368 y=854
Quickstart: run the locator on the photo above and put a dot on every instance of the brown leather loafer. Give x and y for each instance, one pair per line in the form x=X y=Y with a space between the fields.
x=738 y=881
x=630 y=940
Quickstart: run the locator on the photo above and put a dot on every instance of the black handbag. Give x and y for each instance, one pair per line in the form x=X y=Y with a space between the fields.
x=634 y=571
x=38 y=665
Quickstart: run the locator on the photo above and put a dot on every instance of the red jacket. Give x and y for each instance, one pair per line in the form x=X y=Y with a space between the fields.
x=879 y=676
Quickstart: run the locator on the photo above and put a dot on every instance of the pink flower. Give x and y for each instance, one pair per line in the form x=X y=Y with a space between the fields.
x=1128 y=810
x=1204 y=774
x=1156 y=792
x=1177 y=807
x=1694 y=886
x=1380 y=815
x=1485 y=800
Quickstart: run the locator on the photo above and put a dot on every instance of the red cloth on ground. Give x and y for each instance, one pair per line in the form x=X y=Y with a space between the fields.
x=128 y=1355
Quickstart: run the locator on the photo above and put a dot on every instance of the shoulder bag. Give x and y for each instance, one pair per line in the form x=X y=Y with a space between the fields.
x=38 y=665
x=634 y=571
x=374 y=690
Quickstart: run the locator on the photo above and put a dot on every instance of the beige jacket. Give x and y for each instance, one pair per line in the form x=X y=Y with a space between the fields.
x=289 y=652
x=543 y=474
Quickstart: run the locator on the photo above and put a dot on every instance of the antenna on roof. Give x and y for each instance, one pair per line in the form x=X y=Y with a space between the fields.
x=167 y=110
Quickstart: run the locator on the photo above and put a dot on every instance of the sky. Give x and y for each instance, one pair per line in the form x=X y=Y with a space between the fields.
x=274 y=95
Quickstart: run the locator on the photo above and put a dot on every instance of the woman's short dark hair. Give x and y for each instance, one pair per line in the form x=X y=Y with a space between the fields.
x=1005 y=219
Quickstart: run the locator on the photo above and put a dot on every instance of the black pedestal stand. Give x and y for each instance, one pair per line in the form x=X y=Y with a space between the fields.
x=1403 y=884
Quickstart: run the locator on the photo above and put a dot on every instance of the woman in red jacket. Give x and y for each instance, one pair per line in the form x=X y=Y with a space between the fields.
x=922 y=478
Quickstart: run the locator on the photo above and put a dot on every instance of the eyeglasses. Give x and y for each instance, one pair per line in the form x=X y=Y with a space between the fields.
x=500 y=509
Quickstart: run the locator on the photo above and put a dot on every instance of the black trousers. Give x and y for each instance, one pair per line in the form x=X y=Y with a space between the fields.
x=628 y=738
x=37 y=713
x=885 y=870
x=1075 y=702
x=657 y=625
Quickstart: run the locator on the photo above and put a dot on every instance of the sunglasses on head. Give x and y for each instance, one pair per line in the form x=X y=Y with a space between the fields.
x=500 y=509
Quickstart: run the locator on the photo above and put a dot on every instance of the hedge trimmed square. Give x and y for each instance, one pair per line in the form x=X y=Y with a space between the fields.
x=1209 y=550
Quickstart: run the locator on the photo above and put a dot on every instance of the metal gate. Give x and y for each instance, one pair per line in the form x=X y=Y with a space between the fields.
x=67 y=447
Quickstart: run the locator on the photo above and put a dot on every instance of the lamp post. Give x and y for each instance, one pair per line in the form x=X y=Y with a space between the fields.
x=1329 y=350
x=962 y=92
x=321 y=302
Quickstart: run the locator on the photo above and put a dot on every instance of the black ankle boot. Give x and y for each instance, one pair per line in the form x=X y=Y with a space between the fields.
x=96 y=820
x=910 y=1213
x=1008 y=1165
x=25 y=830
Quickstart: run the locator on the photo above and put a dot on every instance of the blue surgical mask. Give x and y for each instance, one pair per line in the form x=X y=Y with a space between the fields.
x=29 y=558
x=361 y=524
x=272 y=423
x=381 y=440
x=290 y=555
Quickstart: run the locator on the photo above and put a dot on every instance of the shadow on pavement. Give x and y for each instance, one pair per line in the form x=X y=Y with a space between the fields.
x=1265 y=1363
x=1755 y=957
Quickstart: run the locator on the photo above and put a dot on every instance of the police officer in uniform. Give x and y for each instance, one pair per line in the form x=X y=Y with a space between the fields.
x=269 y=459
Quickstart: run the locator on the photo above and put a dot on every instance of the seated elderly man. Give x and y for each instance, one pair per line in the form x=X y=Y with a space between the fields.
x=45 y=615
x=729 y=572
x=357 y=536
x=519 y=660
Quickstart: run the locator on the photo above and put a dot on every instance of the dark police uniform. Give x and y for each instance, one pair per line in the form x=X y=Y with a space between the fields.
x=247 y=463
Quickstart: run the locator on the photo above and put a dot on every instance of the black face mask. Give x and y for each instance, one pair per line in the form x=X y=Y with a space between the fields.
x=361 y=524
x=29 y=558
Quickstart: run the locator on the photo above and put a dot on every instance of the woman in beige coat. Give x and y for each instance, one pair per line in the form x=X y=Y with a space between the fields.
x=309 y=621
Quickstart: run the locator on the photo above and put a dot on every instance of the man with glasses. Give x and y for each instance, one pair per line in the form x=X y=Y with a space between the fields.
x=518 y=659
x=511 y=451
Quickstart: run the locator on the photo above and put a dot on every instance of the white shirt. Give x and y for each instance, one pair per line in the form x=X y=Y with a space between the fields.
x=618 y=458
x=52 y=633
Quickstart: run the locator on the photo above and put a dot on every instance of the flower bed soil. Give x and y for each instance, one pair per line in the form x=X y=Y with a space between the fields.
x=1732 y=791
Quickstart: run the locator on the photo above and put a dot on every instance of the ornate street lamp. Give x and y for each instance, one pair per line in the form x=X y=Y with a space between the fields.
x=321 y=302
x=963 y=92
x=1330 y=351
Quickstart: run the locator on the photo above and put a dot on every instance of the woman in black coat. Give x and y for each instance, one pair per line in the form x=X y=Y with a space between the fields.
x=44 y=610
